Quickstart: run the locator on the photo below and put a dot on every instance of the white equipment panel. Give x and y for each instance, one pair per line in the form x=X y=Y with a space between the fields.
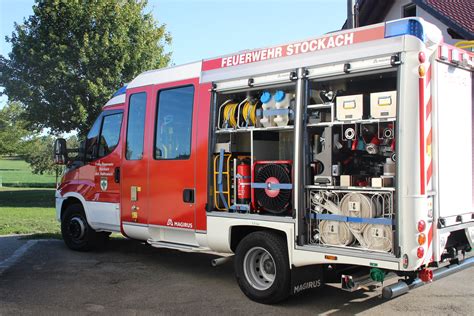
x=349 y=107
x=383 y=104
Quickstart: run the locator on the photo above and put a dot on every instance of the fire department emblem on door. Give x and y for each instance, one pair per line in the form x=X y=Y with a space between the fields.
x=103 y=184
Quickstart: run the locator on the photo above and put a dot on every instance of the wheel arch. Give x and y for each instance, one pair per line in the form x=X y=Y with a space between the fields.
x=68 y=202
x=262 y=264
x=75 y=198
x=239 y=232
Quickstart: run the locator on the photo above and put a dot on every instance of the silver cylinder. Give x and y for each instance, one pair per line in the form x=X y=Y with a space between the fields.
x=395 y=290
x=401 y=287
x=298 y=154
x=349 y=133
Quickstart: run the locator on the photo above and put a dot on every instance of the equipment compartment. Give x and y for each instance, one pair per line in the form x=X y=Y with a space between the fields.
x=351 y=218
x=356 y=154
x=253 y=152
x=350 y=161
x=262 y=108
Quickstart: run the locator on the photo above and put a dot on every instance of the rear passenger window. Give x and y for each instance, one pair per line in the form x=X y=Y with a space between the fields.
x=136 y=126
x=174 y=123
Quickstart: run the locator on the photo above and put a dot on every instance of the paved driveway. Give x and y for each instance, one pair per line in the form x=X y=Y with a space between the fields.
x=132 y=278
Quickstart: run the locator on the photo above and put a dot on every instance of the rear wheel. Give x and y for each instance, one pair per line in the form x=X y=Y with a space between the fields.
x=77 y=233
x=262 y=267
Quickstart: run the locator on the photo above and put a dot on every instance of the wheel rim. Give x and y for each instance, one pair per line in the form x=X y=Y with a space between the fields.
x=259 y=268
x=77 y=228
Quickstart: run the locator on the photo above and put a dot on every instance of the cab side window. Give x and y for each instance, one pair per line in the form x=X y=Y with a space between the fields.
x=136 y=126
x=174 y=123
x=110 y=133
x=104 y=135
x=93 y=139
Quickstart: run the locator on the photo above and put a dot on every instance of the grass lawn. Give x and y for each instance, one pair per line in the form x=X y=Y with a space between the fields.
x=28 y=211
x=17 y=173
x=27 y=208
x=26 y=201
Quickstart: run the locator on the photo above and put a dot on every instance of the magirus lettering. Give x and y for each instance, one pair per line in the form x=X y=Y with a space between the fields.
x=307 y=285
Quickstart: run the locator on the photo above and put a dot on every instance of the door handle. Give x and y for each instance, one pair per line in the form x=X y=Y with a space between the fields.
x=188 y=195
x=117 y=175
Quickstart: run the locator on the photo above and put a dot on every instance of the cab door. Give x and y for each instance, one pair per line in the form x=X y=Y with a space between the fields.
x=98 y=179
x=172 y=166
x=133 y=171
x=109 y=156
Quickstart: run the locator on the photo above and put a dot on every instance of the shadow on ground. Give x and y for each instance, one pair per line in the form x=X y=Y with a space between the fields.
x=131 y=277
x=42 y=236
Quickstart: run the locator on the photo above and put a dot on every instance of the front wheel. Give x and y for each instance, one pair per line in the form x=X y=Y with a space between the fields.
x=262 y=267
x=76 y=231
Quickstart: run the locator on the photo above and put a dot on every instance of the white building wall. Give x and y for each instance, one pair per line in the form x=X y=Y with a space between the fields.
x=444 y=29
x=396 y=12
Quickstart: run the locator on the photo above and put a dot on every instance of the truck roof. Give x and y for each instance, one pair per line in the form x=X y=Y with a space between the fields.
x=417 y=27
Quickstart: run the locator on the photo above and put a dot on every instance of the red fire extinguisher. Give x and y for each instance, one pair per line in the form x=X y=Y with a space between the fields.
x=243 y=182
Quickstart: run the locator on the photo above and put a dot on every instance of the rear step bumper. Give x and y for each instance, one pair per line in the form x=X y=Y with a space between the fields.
x=401 y=287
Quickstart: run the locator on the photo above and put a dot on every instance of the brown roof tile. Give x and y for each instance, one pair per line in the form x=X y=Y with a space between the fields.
x=460 y=12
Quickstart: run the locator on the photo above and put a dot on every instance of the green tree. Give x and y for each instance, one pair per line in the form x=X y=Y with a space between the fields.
x=38 y=152
x=13 y=129
x=70 y=56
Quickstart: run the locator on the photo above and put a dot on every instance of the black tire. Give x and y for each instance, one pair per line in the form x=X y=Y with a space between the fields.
x=77 y=233
x=276 y=246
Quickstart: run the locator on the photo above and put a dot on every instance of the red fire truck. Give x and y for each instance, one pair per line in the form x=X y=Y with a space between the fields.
x=346 y=157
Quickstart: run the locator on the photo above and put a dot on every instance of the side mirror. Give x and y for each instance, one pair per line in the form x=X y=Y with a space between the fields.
x=60 y=152
x=81 y=151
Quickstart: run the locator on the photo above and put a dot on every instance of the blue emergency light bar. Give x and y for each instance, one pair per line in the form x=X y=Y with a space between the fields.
x=409 y=26
x=120 y=91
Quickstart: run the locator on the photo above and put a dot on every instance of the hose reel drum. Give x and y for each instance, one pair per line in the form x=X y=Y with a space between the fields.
x=359 y=205
x=345 y=233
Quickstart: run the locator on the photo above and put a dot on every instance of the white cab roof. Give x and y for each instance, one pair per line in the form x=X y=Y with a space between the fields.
x=169 y=74
x=119 y=99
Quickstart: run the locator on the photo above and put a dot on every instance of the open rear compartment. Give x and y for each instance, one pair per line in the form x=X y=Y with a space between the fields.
x=349 y=145
x=350 y=176
x=252 y=150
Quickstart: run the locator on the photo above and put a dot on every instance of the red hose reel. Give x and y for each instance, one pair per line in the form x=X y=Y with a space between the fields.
x=272 y=186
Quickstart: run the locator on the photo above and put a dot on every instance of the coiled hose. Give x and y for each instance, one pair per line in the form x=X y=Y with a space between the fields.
x=249 y=112
x=229 y=114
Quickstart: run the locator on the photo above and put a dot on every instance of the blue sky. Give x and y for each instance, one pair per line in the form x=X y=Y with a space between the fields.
x=205 y=28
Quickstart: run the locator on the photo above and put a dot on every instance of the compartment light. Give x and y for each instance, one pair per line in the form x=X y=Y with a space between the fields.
x=421 y=70
x=421 y=226
x=421 y=57
x=421 y=239
x=405 y=261
x=420 y=252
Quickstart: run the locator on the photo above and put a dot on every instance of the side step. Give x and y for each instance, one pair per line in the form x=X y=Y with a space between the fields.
x=401 y=287
x=172 y=245
x=186 y=248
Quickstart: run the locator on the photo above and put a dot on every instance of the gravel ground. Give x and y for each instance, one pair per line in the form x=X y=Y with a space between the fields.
x=130 y=278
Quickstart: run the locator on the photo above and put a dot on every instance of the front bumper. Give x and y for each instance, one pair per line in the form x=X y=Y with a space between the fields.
x=59 y=204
